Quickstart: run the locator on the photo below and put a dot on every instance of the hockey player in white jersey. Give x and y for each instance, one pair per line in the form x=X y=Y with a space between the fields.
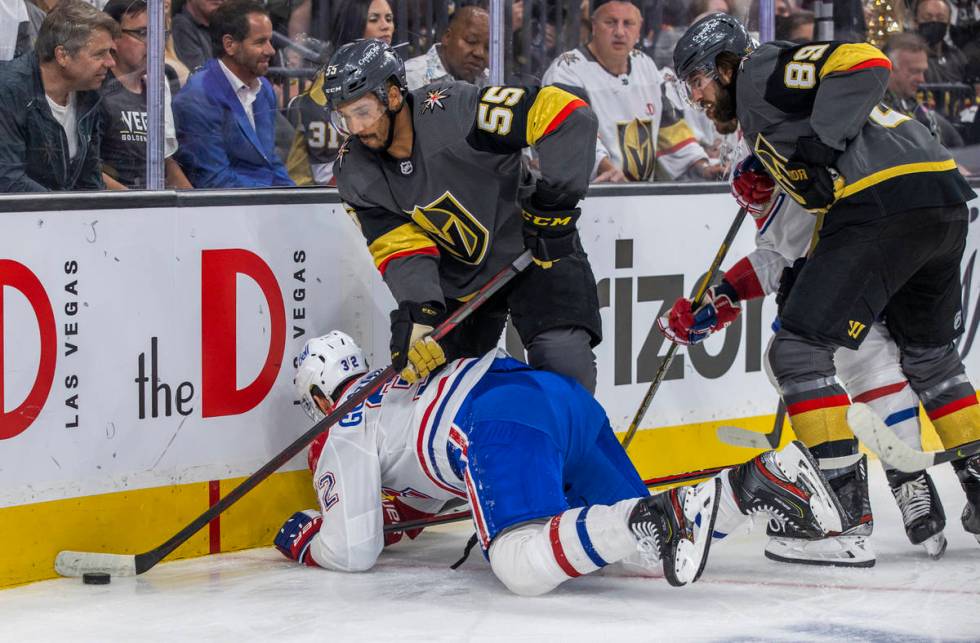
x=552 y=493
x=639 y=126
x=872 y=374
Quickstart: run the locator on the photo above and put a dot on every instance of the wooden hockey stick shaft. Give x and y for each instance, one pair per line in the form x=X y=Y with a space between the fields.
x=459 y=516
x=75 y=563
x=669 y=357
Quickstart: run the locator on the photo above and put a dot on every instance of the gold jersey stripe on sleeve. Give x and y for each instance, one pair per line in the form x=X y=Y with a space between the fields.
x=892 y=172
x=405 y=240
x=853 y=57
x=551 y=107
x=673 y=137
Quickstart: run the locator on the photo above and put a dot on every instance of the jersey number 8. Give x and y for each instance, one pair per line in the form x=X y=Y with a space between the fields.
x=499 y=118
x=803 y=75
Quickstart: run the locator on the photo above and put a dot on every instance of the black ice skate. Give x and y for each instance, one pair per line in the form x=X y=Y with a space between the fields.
x=922 y=511
x=787 y=486
x=802 y=507
x=675 y=527
x=968 y=471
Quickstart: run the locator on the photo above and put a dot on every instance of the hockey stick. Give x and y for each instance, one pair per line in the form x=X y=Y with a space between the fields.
x=76 y=563
x=739 y=437
x=459 y=516
x=875 y=434
x=669 y=357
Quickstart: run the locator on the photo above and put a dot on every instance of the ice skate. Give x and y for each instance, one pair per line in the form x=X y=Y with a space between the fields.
x=789 y=487
x=922 y=511
x=675 y=527
x=968 y=471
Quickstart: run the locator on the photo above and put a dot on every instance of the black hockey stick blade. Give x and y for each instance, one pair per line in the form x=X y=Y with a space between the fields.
x=76 y=563
x=877 y=436
x=669 y=357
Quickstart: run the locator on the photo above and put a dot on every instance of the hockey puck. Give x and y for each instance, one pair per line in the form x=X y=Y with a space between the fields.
x=96 y=578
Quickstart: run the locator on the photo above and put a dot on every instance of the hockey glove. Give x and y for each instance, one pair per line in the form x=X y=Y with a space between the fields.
x=752 y=186
x=413 y=352
x=549 y=233
x=395 y=511
x=808 y=170
x=294 y=539
x=686 y=325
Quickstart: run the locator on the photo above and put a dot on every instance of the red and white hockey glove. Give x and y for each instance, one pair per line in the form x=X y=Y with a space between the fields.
x=394 y=511
x=294 y=539
x=752 y=187
x=686 y=325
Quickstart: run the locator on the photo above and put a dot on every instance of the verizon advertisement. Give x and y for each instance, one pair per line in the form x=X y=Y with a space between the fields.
x=152 y=347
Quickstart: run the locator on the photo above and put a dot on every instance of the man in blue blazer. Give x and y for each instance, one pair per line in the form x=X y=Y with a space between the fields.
x=226 y=113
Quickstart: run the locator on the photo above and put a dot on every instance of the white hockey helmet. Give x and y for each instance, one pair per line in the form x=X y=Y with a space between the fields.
x=325 y=363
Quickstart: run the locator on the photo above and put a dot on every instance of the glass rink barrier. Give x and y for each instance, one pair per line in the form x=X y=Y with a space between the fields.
x=188 y=94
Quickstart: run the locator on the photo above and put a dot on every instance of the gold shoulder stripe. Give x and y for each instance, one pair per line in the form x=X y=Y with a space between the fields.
x=406 y=239
x=673 y=137
x=551 y=107
x=852 y=57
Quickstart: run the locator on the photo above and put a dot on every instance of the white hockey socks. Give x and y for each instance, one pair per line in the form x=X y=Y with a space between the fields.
x=535 y=557
x=730 y=518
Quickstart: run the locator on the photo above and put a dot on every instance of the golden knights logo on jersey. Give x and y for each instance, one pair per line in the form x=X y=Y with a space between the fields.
x=451 y=226
x=638 y=148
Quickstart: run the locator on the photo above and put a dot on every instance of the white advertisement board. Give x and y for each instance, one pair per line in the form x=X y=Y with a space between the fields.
x=150 y=347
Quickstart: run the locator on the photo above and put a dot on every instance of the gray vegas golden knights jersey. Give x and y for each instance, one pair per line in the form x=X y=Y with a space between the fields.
x=889 y=163
x=441 y=223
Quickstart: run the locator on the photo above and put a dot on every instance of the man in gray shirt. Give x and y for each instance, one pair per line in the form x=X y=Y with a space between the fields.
x=191 y=31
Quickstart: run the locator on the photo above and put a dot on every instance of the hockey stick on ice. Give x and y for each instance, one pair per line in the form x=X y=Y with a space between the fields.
x=459 y=516
x=877 y=436
x=76 y=563
x=669 y=357
x=739 y=437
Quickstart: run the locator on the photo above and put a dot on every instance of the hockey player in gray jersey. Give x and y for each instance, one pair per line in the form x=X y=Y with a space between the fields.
x=893 y=232
x=432 y=178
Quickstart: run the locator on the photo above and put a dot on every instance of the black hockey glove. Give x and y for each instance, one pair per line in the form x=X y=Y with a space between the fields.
x=786 y=282
x=549 y=232
x=808 y=169
x=413 y=353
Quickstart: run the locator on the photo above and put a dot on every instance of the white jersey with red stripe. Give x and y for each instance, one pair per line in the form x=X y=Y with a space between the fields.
x=638 y=125
x=396 y=442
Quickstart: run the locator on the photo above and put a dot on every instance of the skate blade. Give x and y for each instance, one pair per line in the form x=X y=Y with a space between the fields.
x=691 y=556
x=840 y=551
x=935 y=546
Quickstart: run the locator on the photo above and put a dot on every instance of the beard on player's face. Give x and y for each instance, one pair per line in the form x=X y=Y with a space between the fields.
x=375 y=138
x=721 y=110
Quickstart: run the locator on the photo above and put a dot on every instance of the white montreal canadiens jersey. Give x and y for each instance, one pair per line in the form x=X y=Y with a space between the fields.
x=638 y=126
x=396 y=441
x=783 y=234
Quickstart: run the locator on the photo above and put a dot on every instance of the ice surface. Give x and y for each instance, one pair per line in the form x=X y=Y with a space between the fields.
x=413 y=595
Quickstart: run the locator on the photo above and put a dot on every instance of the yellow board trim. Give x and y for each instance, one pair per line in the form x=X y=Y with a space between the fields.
x=892 y=172
x=547 y=104
x=849 y=55
x=130 y=522
x=408 y=236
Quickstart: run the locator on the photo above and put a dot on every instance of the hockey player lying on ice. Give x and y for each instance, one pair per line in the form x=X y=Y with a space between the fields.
x=552 y=492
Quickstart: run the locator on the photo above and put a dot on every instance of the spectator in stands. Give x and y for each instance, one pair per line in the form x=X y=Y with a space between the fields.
x=639 y=126
x=124 y=118
x=314 y=148
x=49 y=114
x=797 y=27
x=226 y=113
x=908 y=54
x=355 y=19
x=700 y=8
x=947 y=64
x=191 y=32
x=169 y=53
x=461 y=54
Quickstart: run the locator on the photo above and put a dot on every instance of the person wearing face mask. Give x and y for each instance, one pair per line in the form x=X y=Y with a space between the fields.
x=947 y=64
